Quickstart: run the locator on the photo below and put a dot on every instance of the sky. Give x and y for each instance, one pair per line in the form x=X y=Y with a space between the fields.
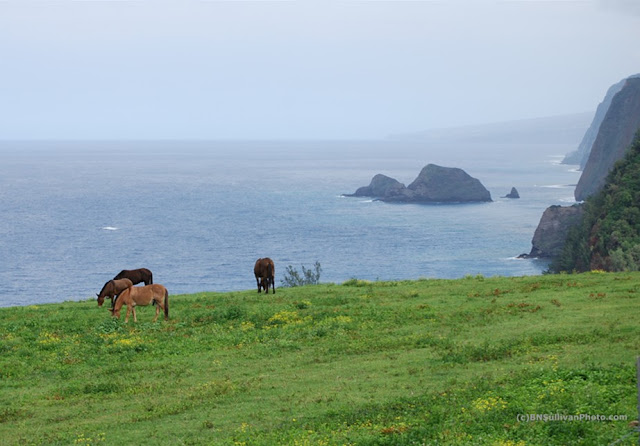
x=305 y=69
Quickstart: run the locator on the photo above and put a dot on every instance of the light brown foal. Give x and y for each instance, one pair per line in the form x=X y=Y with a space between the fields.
x=142 y=295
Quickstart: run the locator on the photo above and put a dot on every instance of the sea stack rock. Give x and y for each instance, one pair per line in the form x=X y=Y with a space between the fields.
x=513 y=194
x=447 y=184
x=380 y=186
x=434 y=184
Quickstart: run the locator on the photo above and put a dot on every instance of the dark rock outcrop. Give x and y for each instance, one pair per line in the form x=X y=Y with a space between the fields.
x=513 y=194
x=446 y=184
x=615 y=135
x=380 y=186
x=434 y=184
x=552 y=231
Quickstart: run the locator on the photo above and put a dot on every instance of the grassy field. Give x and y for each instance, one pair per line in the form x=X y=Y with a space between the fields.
x=437 y=362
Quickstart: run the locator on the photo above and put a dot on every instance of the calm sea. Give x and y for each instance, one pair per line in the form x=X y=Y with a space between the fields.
x=198 y=214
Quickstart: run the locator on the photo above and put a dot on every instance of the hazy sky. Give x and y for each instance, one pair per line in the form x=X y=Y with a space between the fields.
x=303 y=69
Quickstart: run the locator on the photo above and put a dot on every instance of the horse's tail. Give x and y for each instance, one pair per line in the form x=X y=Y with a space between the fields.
x=166 y=304
x=150 y=278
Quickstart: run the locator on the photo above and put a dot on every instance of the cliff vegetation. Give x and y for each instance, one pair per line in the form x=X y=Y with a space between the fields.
x=608 y=237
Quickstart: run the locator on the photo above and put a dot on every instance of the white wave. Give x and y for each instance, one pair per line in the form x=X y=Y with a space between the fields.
x=110 y=228
x=556 y=186
x=556 y=159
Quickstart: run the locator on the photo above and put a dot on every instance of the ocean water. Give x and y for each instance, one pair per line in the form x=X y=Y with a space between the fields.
x=198 y=214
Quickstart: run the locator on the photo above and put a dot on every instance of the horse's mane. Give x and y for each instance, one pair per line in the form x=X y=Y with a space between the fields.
x=105 y=285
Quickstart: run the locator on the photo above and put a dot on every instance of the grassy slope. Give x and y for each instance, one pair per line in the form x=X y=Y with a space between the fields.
x=416 y=362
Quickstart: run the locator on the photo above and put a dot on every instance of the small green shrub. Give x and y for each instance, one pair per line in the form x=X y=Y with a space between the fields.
x=293 y=278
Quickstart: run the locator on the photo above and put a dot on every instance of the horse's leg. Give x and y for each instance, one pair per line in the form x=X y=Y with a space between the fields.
x=273 y=285
x=159 y=304
x=135 y=319
x=115 y=297
x=258 y=282
x=166 y=305
x=126 y=317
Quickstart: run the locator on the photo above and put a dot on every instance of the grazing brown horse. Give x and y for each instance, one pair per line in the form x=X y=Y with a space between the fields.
x=112 y=289
x=264 y=270
x=136 y=275
x=142 y=295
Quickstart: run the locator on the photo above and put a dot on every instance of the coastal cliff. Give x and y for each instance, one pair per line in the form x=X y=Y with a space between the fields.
x=581 y=155
x=608 y=234
x=615 y=135
x=606 y=142
x=434 y=184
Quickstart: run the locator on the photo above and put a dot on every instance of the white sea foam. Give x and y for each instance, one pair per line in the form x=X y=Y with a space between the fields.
x=110 y=228
x=556 y=186
x=556 y=159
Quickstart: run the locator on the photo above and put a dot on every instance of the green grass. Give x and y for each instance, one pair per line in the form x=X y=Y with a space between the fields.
x=437 y=362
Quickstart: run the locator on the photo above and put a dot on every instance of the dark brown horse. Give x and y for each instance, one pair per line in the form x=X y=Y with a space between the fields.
x=264 y=270
x=142 y=295
x=136 y=275
x=112 y=289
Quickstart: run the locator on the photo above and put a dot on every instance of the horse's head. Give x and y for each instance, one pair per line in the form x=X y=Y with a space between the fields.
x=114 y=312
x=264 y=283
x=106 y=290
